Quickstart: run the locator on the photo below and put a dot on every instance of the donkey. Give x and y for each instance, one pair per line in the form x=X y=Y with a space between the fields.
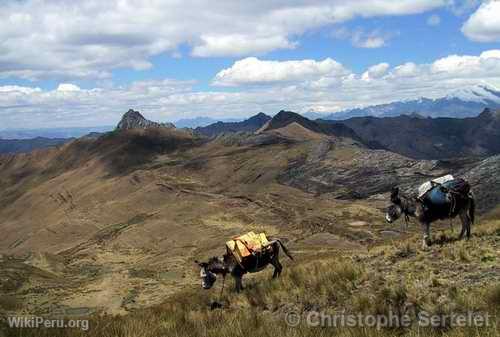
x=227 y=264
x=460 y=203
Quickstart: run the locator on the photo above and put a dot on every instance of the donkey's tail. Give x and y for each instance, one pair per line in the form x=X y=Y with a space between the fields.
x=285 y=250
x=472 y=208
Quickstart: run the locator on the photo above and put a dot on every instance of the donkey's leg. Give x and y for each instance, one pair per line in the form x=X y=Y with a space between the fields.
x=238 y=282
x=464 y=220
x=277 y=267
x=275 y=260
x=427 y=235
x=469 y=222
x=237 y=274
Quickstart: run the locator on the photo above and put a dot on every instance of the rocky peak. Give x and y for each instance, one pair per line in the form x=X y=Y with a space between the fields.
x=283 y=118
x=260 y=117
x=135 y=120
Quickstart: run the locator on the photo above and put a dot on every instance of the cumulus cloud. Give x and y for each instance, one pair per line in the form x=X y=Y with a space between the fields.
x=485 y=65
x=69 y=105
x=328 y=72
x=258 y=85
x=67 y=87
x=407 y=69
x=252 y=70
x=376 y=71
x=484 y=24
x=88 y=39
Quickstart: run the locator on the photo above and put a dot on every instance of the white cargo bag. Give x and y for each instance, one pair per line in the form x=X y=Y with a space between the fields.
x=428 y=185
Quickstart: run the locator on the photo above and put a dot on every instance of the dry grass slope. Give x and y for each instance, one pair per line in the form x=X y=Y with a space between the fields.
x=453 y=277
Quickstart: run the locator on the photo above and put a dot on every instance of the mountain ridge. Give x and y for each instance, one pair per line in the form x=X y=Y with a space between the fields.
x=430 y=138
x=285 y=118
x=250 y=124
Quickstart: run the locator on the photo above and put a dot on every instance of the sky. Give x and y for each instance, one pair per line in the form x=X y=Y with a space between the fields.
x=85 y=63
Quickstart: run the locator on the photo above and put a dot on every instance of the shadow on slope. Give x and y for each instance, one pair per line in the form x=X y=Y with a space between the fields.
x=117 y=153
x=123 y=151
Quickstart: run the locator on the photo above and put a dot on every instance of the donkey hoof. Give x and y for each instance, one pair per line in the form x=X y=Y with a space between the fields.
x=426 y=245
x=216 y=305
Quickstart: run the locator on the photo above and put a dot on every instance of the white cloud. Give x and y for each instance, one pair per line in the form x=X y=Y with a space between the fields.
x=18 y=89
x=407 y=69
x=235 y=45
x=251 y=70
x=362 y=39
x=68 y=87
x=462 y=7
x=88 y=39
x=368 y=42
x=259 y=85
x=484 y=24
x=376 y=71
x=433 y=20
x=485 y=65
x=494 y=53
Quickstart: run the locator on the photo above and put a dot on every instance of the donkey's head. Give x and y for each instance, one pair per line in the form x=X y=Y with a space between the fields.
x=395 y=210
x=209 y=271
x=393 y=213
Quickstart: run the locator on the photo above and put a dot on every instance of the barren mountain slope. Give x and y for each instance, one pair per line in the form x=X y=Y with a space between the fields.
x=115 y=223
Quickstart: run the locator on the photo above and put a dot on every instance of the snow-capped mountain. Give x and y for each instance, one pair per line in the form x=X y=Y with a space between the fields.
x=461 y=103
x=478 y=93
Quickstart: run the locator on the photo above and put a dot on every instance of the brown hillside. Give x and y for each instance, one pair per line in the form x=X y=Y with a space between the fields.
x=115 y=223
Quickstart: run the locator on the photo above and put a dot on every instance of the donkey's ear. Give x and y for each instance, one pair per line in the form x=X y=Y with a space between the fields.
x=395 y=195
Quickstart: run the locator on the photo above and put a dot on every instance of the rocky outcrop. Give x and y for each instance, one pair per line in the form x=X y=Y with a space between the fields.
x=485 y=181
x=353 y=172
x=135 y=120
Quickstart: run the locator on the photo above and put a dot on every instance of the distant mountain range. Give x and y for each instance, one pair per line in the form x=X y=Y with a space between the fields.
x=430 y=138
x=202 y=121
x=462 y=103
x=28 y=145
x=70 y=132
x=466 y=102
x=413 y=136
